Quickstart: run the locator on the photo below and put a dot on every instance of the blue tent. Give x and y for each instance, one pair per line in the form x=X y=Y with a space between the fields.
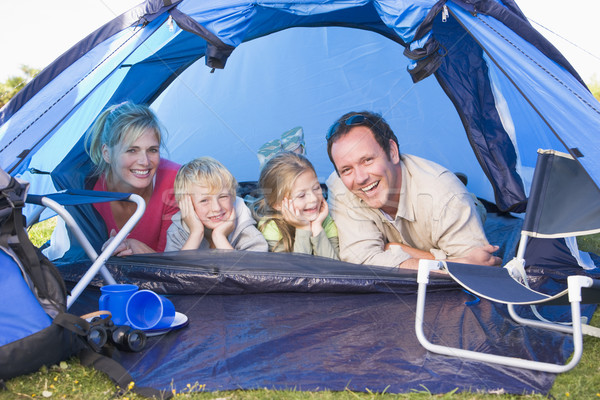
x=226 y=76
x=468 y=84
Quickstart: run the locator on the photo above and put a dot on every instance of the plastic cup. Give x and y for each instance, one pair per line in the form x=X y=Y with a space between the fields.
x=114 y=298
x=148 y=310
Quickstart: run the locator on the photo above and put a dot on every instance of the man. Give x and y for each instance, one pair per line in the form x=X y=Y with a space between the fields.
x=393 y=209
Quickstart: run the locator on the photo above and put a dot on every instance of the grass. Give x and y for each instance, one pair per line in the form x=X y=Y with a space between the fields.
x=69 y=380
x=40 y=233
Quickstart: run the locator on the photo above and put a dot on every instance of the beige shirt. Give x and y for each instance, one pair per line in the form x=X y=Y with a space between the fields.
x=435 y=213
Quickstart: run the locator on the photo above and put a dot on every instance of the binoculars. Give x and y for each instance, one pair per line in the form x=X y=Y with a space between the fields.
x=123 y=337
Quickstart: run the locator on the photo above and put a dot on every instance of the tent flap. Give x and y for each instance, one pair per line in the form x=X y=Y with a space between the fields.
x=563 y=200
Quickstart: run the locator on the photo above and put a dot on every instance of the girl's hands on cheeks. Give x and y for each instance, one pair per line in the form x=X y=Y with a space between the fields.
x=316 y=226
x=190 y=218
x=292 y=216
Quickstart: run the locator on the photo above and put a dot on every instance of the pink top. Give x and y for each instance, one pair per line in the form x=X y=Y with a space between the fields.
x=152 y=227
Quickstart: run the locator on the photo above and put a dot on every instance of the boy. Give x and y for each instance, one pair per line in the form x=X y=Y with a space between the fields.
x=211 y=216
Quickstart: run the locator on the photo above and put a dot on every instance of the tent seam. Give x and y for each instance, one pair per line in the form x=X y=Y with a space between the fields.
x=538 y=64
x=70 y=89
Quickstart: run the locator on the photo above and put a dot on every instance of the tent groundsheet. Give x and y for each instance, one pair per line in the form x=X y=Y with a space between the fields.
x=279 y=321
x=338 y=341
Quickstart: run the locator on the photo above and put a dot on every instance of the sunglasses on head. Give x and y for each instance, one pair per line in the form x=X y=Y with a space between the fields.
x=356 y=119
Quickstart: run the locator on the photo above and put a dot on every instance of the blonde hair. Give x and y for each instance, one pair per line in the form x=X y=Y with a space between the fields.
x=119 y=125
x=204 y=171
x=276 y=182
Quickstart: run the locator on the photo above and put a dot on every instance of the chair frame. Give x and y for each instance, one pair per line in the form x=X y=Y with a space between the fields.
x=98 y=260
x=575 y=284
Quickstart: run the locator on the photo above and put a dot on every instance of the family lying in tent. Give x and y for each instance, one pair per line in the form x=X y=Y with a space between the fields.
x=387 y=208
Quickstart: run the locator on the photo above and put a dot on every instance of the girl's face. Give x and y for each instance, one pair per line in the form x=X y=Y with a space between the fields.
x=212 y=208
x=133 y=167
x=307 y=195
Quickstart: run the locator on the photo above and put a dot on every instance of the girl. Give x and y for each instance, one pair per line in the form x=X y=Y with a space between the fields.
x=293 y=215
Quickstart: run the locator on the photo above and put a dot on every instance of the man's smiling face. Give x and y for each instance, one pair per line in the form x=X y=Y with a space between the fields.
x=366 y=170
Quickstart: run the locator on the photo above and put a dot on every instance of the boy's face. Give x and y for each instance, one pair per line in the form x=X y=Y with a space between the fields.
x=212 y=208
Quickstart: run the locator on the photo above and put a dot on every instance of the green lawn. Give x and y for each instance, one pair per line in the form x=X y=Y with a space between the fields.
x=69 y=380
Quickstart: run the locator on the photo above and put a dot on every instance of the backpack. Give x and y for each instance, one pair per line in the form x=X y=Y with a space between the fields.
x=35 y=327
x=32 y=294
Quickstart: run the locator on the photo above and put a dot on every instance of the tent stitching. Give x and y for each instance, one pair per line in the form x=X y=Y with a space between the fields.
x=71 y=88
x=539 y=65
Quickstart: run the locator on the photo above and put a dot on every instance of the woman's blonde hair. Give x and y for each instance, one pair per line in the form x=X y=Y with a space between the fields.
x=119 y=125
x=204 y=171
x=275 y=183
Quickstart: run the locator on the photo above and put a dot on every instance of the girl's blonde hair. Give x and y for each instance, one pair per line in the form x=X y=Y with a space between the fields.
x=204 y=171
x=275 y=183
x=119 y=125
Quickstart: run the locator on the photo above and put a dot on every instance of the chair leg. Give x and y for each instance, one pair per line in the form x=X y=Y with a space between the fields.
x=423 y=280
x=79 y=235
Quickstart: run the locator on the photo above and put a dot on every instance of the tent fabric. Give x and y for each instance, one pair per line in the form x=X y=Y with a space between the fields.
x=322 y=330
x=468 y=84
x=554 y=82
x=145 y=55
x=324 y=341
x=228 y=272
x=293 y=321
x=246 y=272
x=565 y=199
x=471 y=91
x=73 y=197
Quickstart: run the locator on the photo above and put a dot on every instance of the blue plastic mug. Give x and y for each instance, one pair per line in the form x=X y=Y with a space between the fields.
x=114 y=298
x=148 y=310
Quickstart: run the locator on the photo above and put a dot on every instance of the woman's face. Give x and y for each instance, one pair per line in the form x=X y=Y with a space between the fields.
x=133 y=167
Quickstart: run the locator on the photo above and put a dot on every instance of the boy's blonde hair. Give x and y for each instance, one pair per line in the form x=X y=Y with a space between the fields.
x=119 y=125
x=204 y=171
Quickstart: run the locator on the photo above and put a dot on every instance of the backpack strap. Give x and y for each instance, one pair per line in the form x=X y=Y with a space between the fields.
x=118 y=374
x=24 y=249
x=90 y=358
x=73 y=323
x=45 y=278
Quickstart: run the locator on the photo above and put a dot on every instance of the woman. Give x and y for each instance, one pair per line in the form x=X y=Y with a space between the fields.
x=124 y=145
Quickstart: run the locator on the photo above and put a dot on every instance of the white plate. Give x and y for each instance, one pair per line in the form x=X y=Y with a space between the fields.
x=179 y=322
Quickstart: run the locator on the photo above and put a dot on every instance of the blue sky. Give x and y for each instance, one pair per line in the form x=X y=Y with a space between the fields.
x=35 y=32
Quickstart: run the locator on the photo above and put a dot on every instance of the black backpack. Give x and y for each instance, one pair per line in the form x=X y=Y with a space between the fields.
x=35 y=327
x=32 y=295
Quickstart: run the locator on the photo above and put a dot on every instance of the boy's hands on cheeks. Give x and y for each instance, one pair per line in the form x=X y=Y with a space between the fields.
x=220 y=233
x=292 y=216
x=189 y=216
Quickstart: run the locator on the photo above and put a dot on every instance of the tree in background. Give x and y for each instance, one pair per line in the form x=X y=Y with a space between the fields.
x=15 y=83
x=594 y=86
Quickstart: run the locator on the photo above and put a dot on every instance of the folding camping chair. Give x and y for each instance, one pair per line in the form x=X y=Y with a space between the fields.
x=72 y=197
x=563 y=202
x=497 y=285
